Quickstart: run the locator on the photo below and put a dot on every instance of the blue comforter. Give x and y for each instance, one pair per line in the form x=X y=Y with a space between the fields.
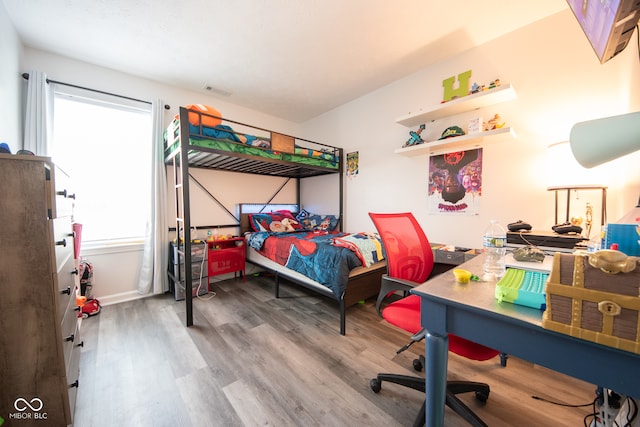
x=317 y=255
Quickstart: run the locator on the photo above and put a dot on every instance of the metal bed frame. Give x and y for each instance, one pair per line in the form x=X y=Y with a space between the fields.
x=183 y=156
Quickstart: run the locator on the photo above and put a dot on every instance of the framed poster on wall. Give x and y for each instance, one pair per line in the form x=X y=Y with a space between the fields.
x=352 y=164
x=455 y=182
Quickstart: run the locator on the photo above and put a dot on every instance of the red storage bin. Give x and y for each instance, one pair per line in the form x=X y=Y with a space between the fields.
x=226 y=256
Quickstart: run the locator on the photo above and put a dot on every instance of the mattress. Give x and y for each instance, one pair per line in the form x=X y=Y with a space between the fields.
x=256 y=258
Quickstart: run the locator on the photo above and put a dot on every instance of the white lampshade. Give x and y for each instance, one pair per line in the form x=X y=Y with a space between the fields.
x=598 y=141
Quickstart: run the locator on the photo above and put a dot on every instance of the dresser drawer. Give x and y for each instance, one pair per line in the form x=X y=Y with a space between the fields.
x=66 y=286
x=67 y=274
x=196 y=269
x=73 y=374
x=64 y=196
x=69 y=333
x=66 y=299
x=62 y=240
x=447 y=257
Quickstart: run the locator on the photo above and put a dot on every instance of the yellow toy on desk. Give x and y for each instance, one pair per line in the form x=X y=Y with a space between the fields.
x=464 y=276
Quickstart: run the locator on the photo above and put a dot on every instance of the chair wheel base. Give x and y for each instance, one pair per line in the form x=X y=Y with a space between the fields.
x=417 y=365
x=482 y=397
x=375 y=385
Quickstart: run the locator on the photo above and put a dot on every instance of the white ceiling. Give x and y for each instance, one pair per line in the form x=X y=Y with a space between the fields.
x=293 y=59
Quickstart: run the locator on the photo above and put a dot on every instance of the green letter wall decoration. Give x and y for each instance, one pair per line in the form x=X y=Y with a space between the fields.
x=463 y=86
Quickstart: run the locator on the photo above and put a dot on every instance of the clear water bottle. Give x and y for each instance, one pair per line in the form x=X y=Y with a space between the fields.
x=494 y=244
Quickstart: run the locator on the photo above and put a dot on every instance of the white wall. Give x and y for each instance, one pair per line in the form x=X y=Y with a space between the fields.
x=558 y=82
x=116 y=269
x=10 y=52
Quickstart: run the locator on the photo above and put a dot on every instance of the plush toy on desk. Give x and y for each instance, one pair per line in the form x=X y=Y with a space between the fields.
x=415 y=137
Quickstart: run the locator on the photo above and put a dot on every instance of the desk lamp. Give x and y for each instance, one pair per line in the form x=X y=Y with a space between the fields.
x=566 y=175
x=598 y=141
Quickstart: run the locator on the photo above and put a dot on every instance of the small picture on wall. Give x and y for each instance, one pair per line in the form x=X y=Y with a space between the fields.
x=352 y=164
x=455 y=182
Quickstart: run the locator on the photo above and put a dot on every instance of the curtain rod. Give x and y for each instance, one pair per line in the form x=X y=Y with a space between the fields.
x=26 y=77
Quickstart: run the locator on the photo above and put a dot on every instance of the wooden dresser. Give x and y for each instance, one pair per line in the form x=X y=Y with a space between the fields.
x=39 y=335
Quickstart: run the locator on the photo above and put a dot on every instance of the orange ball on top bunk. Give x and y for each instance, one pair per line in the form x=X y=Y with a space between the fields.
x=194 y=118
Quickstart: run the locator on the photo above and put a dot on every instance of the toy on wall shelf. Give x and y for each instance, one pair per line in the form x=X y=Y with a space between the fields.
x=452 y=132
x=463 y=89
x=475 y=88
x=495 y=123
x=494 y=84
x=451 y=93
x=415 y=138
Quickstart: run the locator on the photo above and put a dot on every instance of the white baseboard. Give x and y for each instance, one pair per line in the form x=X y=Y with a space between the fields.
x=121 y=297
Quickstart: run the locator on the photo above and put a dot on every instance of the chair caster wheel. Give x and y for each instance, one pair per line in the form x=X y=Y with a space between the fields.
x=481 y=397
x=375 y=385
x=417 y=365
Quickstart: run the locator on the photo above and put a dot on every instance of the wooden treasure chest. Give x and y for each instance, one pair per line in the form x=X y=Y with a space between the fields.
x=595 y=297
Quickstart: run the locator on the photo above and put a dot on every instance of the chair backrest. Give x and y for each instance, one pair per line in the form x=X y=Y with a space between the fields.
x=407 y=249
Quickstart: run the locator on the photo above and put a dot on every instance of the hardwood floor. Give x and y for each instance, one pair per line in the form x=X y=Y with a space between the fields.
x=253 y=360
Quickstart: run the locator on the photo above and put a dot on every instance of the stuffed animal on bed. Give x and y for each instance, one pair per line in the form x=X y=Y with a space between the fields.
x=284 y=226
x=276 y=227
x=288 y=224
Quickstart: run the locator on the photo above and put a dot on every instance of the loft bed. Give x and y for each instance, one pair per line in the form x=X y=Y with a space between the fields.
x=196 y=139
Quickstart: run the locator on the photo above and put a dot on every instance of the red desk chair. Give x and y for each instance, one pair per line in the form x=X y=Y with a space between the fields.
x=409 y=263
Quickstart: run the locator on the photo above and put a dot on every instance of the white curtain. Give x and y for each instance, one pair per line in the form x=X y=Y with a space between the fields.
x=38 y=123
x=153 y=272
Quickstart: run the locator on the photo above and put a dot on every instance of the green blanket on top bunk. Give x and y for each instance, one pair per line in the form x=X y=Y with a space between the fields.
x=228 y=146
x=225 y=139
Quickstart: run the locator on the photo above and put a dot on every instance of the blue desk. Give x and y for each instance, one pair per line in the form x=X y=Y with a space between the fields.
x=471 y=311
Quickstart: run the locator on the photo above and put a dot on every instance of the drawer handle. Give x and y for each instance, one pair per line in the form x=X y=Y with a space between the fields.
x=62 y=242
x=66 y=195
x=77 y=308
x=74 y=384
x=70 y=338
x=66 y=291
x=80 y=344
x=75 y=271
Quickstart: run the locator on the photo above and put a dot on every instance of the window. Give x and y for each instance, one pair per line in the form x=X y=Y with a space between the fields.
x=104 y=145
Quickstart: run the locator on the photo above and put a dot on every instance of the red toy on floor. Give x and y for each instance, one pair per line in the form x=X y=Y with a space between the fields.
x=90 y=308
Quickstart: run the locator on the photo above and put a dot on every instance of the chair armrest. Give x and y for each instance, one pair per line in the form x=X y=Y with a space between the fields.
x=389 y=285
